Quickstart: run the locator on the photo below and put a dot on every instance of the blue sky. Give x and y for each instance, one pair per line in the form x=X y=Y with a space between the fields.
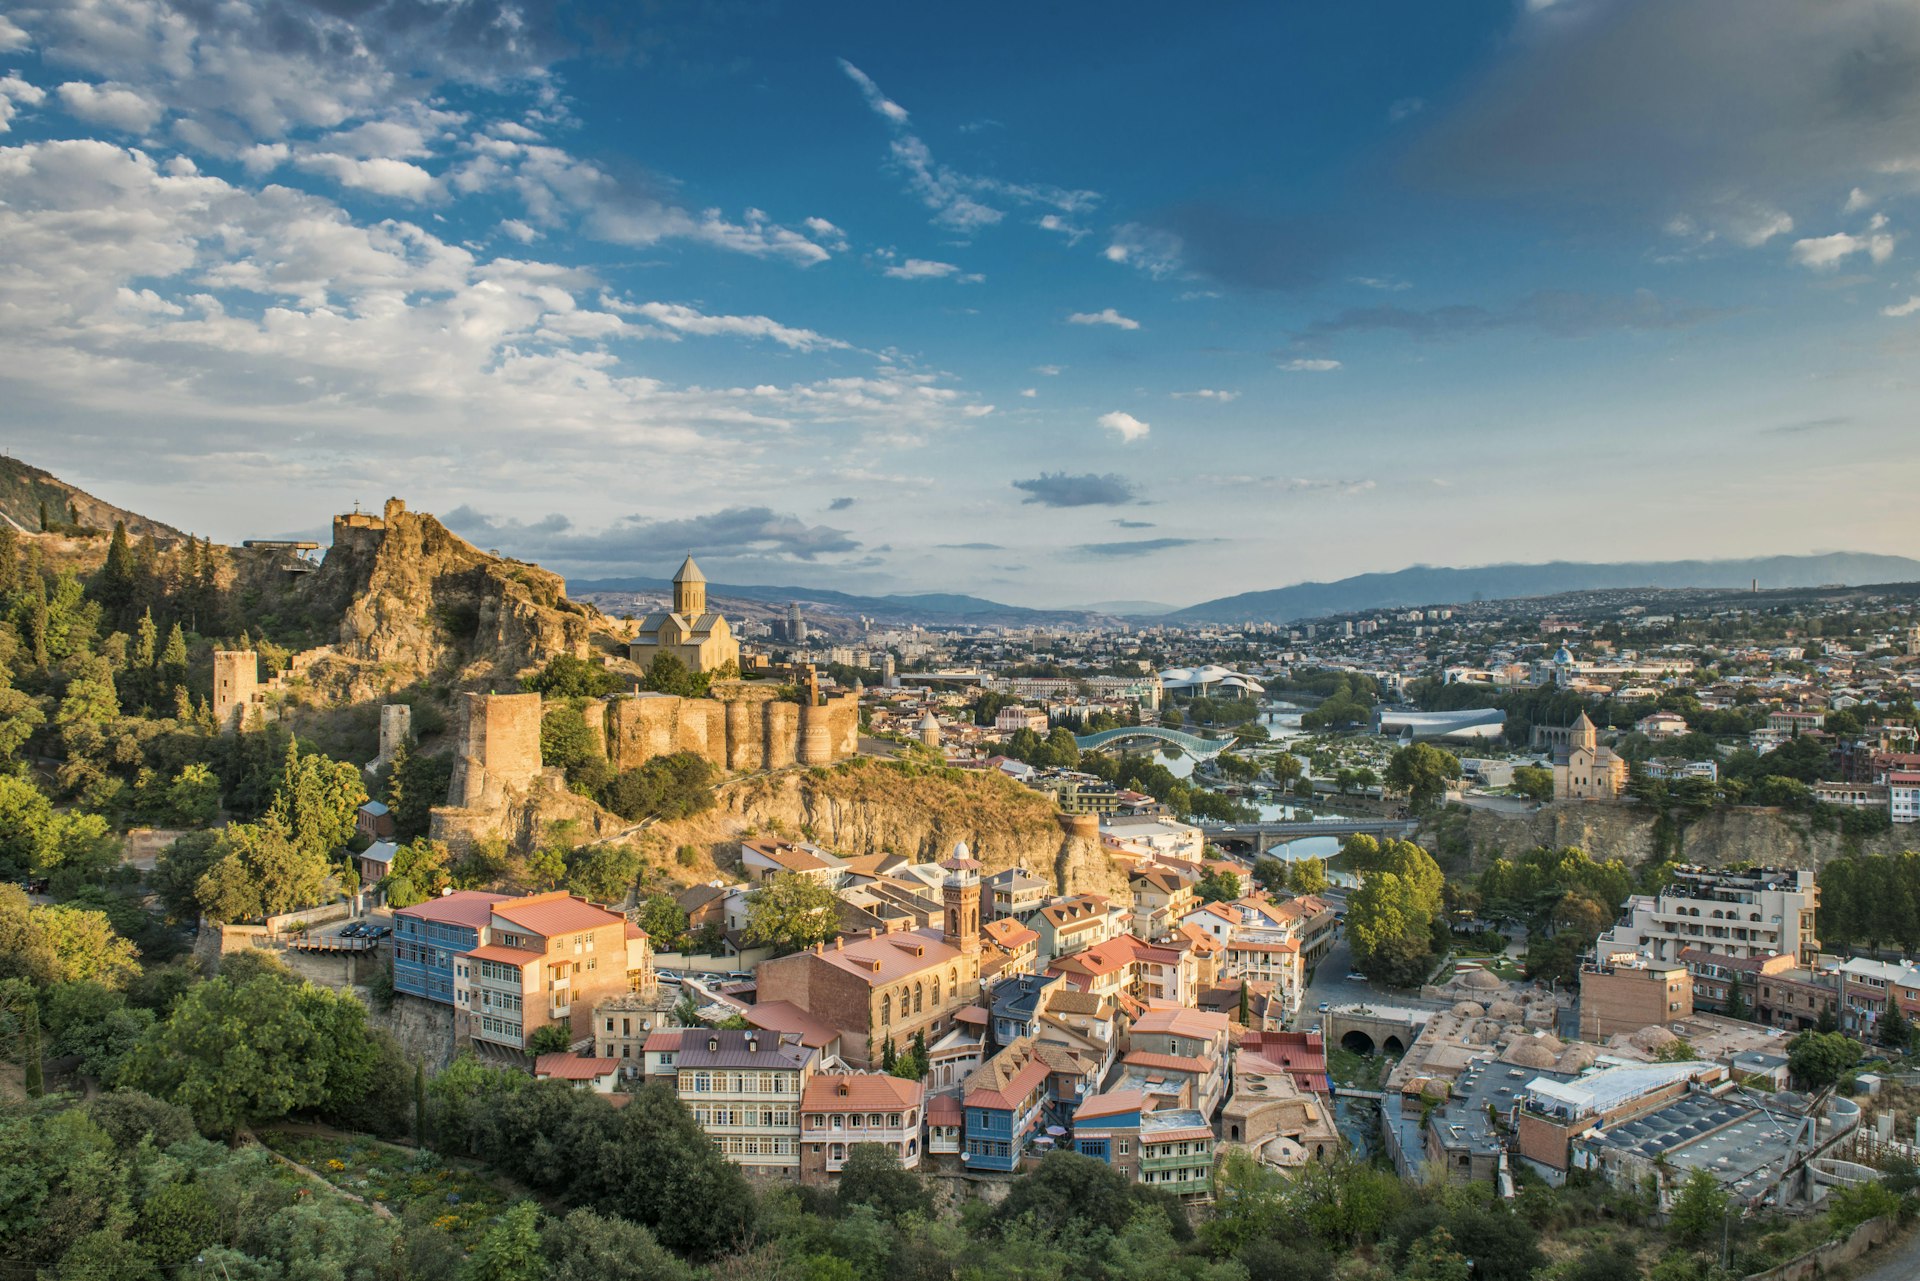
x=1052 y=304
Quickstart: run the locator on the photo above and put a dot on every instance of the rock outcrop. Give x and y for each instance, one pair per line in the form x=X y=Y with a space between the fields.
x=1769 y=837
x=416 y=602
x=869 y=807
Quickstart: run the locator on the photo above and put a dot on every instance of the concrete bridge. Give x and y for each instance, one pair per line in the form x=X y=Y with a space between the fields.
x=1264 y=836
x=1191 y=744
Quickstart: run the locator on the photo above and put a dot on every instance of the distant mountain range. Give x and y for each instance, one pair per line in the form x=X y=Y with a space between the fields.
x=1426 y=585
x=946 y=607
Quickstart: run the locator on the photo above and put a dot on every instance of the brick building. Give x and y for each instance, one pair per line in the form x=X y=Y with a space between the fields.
x=1624 y=992
x=841 y=1109
x=890 y=986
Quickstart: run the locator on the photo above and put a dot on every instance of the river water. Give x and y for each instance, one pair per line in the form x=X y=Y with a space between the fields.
x=1282 y=724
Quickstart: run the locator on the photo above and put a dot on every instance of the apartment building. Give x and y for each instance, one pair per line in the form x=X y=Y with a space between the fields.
x=745 y=1089
x=1737 y=912
x=1171 y=1039
x=1867 y=986
x=428 y=936
x=1014 y=892
x=1176 y=1153
x=546 y=959
x=841 y=1109
x=1625 y=991
x=1160 y=899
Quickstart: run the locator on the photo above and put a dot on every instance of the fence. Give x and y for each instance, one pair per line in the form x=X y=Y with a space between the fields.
x=1823 y=1258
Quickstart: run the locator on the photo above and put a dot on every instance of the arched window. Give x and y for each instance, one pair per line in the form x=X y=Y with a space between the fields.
x=919 y=997
x=886 y=1008
x=936 y=991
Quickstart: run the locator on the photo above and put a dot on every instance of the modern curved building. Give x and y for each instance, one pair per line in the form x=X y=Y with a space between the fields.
x=1470 y=725
x=1202 y=680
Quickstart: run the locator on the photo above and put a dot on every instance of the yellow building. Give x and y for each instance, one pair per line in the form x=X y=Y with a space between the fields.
x=1585 y=771
x=690 y=632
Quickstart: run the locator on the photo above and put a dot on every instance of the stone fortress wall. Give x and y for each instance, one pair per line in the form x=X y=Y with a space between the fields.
x=743 y=726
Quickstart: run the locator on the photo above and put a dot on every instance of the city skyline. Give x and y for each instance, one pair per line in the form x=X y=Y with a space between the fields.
x=1250 y=299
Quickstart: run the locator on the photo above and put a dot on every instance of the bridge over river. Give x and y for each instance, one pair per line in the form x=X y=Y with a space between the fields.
x=1192 y=744
x=1264 y=836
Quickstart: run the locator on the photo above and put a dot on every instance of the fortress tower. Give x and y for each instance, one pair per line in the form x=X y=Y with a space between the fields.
x=236 y=679
x=960 y=893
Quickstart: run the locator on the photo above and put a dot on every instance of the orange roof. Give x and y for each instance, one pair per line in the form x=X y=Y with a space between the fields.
x=971 y=1014
x=942 y=1108
x=1112 y=1103
x=860 y=1092
x=1167 y=1062
x=1009 y=933
x=573 y=1067
x=471 y=908
x=557 y=912
x=1186 y=1135
x=1287 y=945
x=506 y=955
x=785 y=1016
x=1181 y=1021
x=663 y=1040
x=884 y=958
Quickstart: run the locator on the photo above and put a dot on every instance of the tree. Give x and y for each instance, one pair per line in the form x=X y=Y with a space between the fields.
x=791 y=911
x=603 y=873
x=873 y=1177
x=1307 y=876
x=1819 y=1059
x=1218 y=886
x=666 y=787
x=1736 y=1005
x=1895 y=1030
x=550 y=1038
x=566 y=740
x=1069 y=1197
x=1698 y=1210
x=259 y=869
x=665 y=922
x=565 y=676
x=1422 y=771
x=1533 y=782
x=510 y=1251
x=667 y=674
x=586 y=1246
x=234 y=1054
x=32 y=1078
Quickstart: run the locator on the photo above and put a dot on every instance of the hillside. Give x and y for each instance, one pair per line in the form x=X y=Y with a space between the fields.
x=750 y=600
x=1427 y=585
x=23 y=489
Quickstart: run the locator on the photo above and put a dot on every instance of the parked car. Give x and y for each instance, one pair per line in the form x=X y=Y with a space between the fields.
x=352 y=931
x=380 y=932
x=1325 y=1006
x=1355 y=976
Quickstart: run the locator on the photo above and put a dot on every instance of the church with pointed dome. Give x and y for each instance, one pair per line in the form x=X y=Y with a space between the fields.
x=1583 y=770
x=689 y=631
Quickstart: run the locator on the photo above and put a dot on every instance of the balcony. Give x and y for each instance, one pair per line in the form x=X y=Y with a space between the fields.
x=1197 y=1159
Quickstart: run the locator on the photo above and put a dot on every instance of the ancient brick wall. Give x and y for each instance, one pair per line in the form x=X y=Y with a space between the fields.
x=499 y=749
x=236 y=678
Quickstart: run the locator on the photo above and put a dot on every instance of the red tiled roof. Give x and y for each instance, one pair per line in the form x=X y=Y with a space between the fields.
x=573 y=1067
x=471 y=908
x=1167 y=1062
x=1112 y=1103
x=884 y=958
x=1181 y=1021
x=1186 y=1135
x=557 y=912
x=506 y=955
x=785 y=1016
x=860 y=1092
x=944 y=1108
x=971 y=1014
x=663 y=1040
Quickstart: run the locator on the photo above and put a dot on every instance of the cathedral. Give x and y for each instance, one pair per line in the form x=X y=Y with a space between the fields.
x=690 y=632
x=1585 y=771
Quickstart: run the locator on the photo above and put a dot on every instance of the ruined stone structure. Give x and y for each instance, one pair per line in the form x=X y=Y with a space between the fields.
x=396 y=727
x=742 y=727
x=499 y=749
x=236 y=687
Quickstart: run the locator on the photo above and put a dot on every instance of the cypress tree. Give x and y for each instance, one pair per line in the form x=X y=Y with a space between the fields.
x=146 y=642
x=45 y=524
x=114 y=587
x=9 y=560
x=33 y=1078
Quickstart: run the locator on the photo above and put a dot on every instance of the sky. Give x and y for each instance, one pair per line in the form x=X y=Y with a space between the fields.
x=1052 y=304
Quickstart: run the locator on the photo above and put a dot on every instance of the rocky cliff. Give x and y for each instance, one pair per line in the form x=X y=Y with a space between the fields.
x=415 y=602
x=1771 y=837
x=869 y=807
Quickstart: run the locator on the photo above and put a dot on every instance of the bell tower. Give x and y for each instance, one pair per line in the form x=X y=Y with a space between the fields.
x=960 y=893
x=690 y=589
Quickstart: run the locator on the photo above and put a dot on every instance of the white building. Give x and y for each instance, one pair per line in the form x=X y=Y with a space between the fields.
x=1736 y=913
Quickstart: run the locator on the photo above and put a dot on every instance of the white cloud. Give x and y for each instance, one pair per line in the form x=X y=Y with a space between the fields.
x=1125 y=426
x=520 y=231
x=1404 y=108
x=398 y=179
x=926 y=269
x=1207 y=393
x=958 y=200
x=1823 y=252
x=12 y=38
x=1153 y=251
x=1386 y=284
x=15 y=90
x=112 y=105
x=1049 y=371
x=1856 y=201
x=1030 y=392
x=1907 y=308
x=1105 y=316
x=827 y=234
x=690 y=320
x=881 y=104
x=1306 y=366
x=1054 y=222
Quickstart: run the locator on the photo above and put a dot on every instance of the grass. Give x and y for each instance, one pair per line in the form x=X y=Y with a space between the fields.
x=457 y=1200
